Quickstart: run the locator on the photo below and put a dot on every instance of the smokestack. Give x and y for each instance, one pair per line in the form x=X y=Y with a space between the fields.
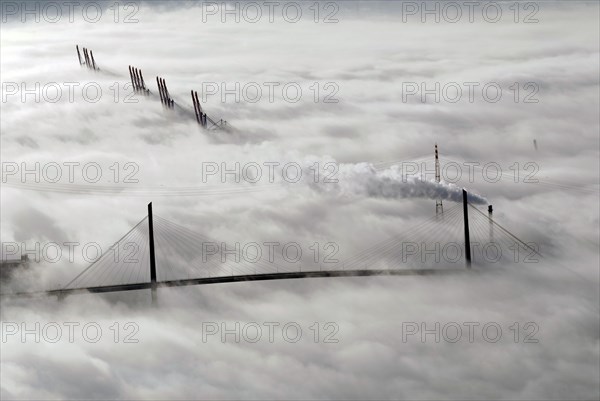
x=93 y=62
x=142 y=82
x=160 y=92
x=137 y=78
x=78 y=54
x=132 y=80
x=198 y=103
x=195 y=107
x=490 y=210
x=168 y=101
x=202 y=113
x=87 y=55
x=165 y=92
x=162 y=88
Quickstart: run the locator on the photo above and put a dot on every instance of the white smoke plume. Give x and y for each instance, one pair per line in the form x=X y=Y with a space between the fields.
x=365 y=180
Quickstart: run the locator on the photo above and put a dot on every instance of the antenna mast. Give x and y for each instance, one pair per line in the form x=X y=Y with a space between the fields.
x=439 y=208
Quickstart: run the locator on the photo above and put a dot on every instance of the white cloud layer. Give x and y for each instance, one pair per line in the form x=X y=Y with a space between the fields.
x=369 y=55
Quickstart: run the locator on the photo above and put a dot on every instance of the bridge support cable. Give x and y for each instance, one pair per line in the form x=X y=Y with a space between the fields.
x=393 y=249
x=180 y=253
x=168 y=255
x=186 y=249
x=103 y=261
x=192 y=253
x=398 y=247
x=513 y=236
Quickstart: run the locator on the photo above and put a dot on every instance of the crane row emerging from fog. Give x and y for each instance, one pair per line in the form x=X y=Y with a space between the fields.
x=139 y=86
x=172 y=257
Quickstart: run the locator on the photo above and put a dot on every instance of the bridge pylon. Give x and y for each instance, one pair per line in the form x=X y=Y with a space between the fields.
x=467 y=239
x=490 y=215
x=153 y=283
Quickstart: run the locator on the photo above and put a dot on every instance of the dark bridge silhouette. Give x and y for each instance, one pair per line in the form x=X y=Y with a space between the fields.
x=157 y=253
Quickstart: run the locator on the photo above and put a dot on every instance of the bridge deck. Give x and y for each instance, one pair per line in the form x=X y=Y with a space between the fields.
x=239 y=278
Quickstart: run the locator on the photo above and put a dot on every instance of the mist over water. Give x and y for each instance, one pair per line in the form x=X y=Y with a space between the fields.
x=176 y=350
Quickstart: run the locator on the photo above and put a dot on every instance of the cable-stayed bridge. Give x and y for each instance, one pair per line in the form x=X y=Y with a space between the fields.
x=158 y=253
